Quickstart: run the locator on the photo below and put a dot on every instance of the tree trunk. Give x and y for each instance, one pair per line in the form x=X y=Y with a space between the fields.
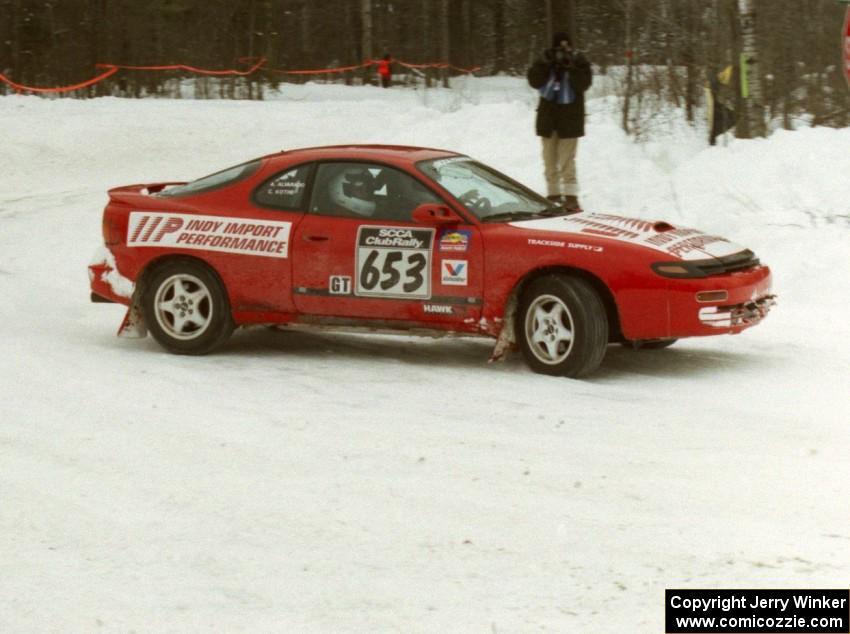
x=272 y=37
x=469 y=43
x=499 y=63
x=742 y=124
x=426 y=39
x=16 y=43
x=366 y=36
x=350 y=55
x=783 y=82
x=572 y=22
x=691 y=54
x=667 y=46
x=306 y=56
x=753 y=98
x=444 y=40
x=627 y=97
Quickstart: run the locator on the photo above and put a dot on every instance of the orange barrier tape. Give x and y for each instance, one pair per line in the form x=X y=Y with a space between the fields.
x=323 y=71
x=373 y=62
x=465 y=70
x=111 y=69
x=439 y=65
x=192 y=69
x=21 y=88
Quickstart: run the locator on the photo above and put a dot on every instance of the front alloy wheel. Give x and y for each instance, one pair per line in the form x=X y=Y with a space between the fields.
x=562 y=326
x=549 y=329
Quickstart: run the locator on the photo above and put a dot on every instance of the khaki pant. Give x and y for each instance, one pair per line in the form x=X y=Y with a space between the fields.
x=559 y=160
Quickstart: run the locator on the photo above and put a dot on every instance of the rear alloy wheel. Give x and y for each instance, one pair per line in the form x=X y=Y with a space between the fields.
x=186 y=308
x=562 y=327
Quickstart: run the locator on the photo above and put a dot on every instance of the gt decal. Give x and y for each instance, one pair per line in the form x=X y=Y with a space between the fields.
x=339 y=285
x=394 y=262
x=454 y=272
x=268 y=238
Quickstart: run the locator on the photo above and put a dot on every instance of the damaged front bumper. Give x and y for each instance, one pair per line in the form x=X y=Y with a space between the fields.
x=738 y=315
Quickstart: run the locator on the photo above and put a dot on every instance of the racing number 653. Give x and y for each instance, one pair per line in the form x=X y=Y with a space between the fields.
x=388 y=275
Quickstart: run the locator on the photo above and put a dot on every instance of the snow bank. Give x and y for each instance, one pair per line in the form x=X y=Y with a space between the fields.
x=328 y=482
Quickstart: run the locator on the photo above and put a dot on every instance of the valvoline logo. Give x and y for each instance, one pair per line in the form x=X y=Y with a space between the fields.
x=455 y=272
x=455 y=269
x=455 y=240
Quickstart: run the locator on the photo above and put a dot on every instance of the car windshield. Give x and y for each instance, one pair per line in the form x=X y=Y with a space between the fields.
x=491 y=196
x=213 y=181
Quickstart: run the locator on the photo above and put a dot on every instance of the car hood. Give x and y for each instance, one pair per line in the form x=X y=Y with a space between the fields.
x=675 y=242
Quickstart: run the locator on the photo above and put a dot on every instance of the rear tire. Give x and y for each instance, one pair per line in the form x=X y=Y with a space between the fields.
x=186 y=308
x=561 y=326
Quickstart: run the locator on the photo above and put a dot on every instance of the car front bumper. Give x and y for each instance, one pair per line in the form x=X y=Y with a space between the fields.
x=739 y=300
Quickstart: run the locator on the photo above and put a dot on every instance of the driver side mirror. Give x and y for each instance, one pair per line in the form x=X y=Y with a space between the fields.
x=432 y=214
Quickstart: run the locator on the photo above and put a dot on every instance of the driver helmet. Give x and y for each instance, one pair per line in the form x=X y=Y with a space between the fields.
x=354 y=189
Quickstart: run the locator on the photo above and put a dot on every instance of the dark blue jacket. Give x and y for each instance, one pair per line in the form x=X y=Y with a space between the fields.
x=565 y=119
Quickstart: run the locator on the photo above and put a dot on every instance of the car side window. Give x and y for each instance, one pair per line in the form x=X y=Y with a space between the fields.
x=284 y=190
x=212 y=182
x=367 y=190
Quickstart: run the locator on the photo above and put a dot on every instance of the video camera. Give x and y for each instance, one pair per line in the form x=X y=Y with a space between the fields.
x=559 y=56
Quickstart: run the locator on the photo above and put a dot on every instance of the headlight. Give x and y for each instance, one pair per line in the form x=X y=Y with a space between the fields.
x=678 y=269
x=704 y=268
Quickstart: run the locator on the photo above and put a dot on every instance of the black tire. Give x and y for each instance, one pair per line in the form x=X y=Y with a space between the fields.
x=561 y=326
x=186 y=308
x=649 y=344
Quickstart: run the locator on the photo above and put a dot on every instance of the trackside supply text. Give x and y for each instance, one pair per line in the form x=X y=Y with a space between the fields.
x=248 y=236
x=740 y=611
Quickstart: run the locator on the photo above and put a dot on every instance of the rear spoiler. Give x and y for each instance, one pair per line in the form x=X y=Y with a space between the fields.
x=130 y=193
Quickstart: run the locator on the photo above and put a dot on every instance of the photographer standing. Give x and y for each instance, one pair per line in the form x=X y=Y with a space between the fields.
x=561 y=77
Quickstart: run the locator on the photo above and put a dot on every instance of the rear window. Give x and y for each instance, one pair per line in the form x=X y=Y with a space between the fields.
x=213 y=181
x=284 y=190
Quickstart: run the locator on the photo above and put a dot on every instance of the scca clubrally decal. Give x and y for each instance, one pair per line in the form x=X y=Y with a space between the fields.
x=248 y=236
x=394 y=262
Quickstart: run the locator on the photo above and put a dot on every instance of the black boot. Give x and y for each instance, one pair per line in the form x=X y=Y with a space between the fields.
x=571 y=203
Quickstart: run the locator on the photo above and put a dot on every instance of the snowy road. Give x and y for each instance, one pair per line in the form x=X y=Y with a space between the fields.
x=330 y=482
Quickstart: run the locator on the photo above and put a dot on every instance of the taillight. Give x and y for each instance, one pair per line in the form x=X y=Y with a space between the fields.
x=111 y=231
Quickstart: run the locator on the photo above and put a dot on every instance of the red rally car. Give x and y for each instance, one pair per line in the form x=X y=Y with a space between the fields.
x=413 y=240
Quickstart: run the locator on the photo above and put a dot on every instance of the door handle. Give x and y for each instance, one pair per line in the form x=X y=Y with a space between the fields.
x=313 y=238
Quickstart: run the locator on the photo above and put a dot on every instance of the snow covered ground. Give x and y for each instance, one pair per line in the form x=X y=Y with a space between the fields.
x=331 y=482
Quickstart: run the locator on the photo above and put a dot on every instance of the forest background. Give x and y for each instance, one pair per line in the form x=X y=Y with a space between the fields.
x=655 y=52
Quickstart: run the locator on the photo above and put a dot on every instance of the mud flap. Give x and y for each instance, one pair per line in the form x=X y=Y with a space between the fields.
x=506 y=340
x=133 y=326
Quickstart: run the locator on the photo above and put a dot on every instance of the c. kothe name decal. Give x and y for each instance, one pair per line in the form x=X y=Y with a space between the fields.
x=248 y=236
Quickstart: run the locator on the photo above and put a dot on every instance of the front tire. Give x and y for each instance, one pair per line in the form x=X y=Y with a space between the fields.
x=562 y=327
x=186 y=308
